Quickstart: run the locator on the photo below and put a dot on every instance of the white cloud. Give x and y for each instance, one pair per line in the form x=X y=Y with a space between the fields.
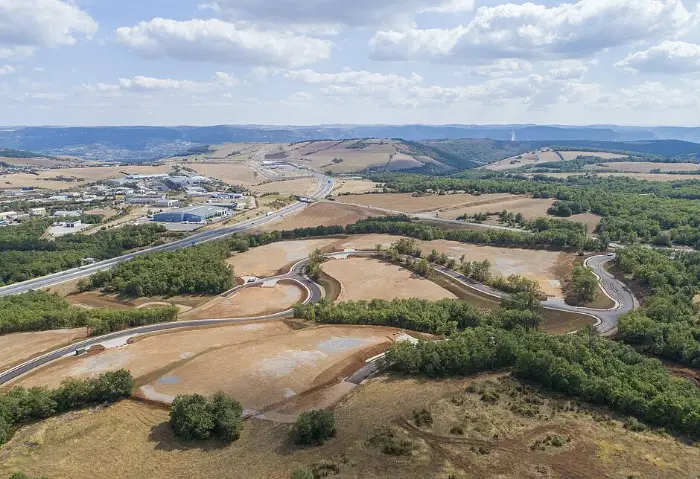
x=26 y=25
x=350 y=77
x=670 y=57
x=216 y=40
x=337 y=12
x=301 y=97
x=151 y=85
x=656 y=96
x=502 y=67
x=568 y=30
x=567 y=70
x=7 y=70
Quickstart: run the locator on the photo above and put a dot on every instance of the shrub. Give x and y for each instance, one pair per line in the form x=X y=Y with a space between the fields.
x=195 y=417
x=325 y=468
x=422 y=418
x=385 y=440
x=314 y=427
x=302 y=474
x=457 y=431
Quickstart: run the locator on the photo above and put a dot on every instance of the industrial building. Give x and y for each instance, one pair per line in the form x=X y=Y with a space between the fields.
x=193 y=214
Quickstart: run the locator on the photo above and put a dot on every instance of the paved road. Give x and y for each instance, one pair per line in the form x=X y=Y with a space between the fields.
x=325 y=187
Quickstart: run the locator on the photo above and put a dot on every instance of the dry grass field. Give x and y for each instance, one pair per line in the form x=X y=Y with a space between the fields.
x=79 y=176
x=37 y=162
x=643 y=167
x=526 y=159
x=321 y=214
x=572 y=155
x=270 y=259
x=232 y=173
x=132 y=439
x=530 y=208
x=637 y=176
x=405 y=202
x=402 y=161
x=343 y=186
x=548 y=156
x=364 y=278
x=249 y=302
x=19 y=347
x=301 y=186
x=548 y=268
x=151 y=354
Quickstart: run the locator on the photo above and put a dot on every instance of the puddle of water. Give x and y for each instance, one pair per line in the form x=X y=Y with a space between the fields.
x=153 y=395
x=169 y=380
x=109 y=360
x=339 y=344
x=287 y=361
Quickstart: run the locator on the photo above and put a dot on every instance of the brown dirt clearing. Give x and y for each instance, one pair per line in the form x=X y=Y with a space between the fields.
x=254 y=301
x=406 y=202
x=19 y=347
x=322 y=214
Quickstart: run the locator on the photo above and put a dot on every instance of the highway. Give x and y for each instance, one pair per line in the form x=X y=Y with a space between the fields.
x=324 y=189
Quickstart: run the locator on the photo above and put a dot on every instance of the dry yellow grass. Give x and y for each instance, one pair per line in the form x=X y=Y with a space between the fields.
x=321 y=154
x=644 y=167
x=322 y=214
x=80 y=176
x=572 y=155
x=354 y=186
x=228 y=172
x=526 y=159
x=363 y=278
x=19 y=347
x=405 y=202
x=269 y=259
x=249 y=302
x=132 y=439
x=663 y=177
x=301 y=186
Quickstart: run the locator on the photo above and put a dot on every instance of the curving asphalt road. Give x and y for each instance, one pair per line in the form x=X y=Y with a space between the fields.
x=325 y=187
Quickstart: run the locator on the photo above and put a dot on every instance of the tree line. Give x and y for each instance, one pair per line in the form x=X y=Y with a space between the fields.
x=43 y=311
x=20 y=405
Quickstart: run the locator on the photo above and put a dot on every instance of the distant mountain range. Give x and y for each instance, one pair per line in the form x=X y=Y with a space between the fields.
x=136 y=143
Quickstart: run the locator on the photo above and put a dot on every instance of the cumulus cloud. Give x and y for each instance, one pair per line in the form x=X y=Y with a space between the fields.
x=532 y=31
x=670 y=57
x=336 y=12
x=26 y=25
x=150 y=84
x=656 y=96
x=7 y=70
x=350 y=77
x=567 y=70
x=502 y=67
x=216 y=40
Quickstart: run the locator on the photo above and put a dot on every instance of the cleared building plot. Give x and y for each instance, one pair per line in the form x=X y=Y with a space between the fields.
x=546 y=267
x=406 y=202
x=250 y=302
x=268 y=260
x=572 y=155
x=365 y=278
x=153 y=353
x=267 y=371
x=19 y=347
x=644 y=166
x=322 y=214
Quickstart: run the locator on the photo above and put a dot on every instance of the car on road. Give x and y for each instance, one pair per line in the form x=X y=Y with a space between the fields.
x=611 y=254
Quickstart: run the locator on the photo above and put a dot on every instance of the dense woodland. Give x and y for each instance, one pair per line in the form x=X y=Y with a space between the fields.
x=42 y=311
x=25 y=255
x=197 y=270
x=21 y=405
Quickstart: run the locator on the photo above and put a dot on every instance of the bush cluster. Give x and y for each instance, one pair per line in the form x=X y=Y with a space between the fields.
x=195 y=417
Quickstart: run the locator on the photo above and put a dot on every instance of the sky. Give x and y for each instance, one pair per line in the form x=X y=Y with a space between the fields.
x=306 y=62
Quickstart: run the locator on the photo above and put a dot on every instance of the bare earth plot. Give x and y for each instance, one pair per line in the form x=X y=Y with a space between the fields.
x=264 y=372
x=526 y=159
x=644 y=167
x=134 y=437
x=322 y=214
x=572 y=155
x=354 y=186
x=405 y=202
x=301 y=186
x=232 y=173
x=269 y=259
x=20 y=347
x=364 y=278
x=541 y=266
x=250 y=302
x=152 y=353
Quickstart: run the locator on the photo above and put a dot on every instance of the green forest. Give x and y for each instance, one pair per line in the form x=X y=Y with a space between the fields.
x=197 y=270
x=25 y=255
x=42 y=311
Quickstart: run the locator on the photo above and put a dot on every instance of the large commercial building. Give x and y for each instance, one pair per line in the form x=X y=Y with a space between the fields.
x=193 y=214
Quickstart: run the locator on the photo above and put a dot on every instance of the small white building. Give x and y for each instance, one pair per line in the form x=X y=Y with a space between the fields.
x=8 y=215
x=37 y=211
x=68 y=214
x=166 y=203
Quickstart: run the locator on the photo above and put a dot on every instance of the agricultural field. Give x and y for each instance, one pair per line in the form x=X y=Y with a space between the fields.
x=637 y=176
x=133 y=436
x=280 y=367
x=548 y=268
x=249 y=302
x=572 y=155
x=19 y=347
x=39 y=162
x=232 y=173
x=518 y=161
x=48 y=179
x=301 y=187
x=365 y=278
x=321 y=214
x=354 y=187
x=407 y=203
x=644 y=167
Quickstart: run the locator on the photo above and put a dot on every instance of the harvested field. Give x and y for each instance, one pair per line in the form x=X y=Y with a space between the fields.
x=547 y=156
x=151 y=354
x=321 y=214
x=548 y=268
x=405 y=202
x=322 y=153
x=364 y=278
x=530 y=208
x=250 y=302
x=281 y=367
x=644 y=167
x=301 y=186
x=636 y=176
x=75 y=176
x=135 y=437
x=354 y=186
x=401 y=161
x=36 y=162
x=271 y=259
x=526 y=159
x=572 y=155
x=232 y=173
x=19 y=347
